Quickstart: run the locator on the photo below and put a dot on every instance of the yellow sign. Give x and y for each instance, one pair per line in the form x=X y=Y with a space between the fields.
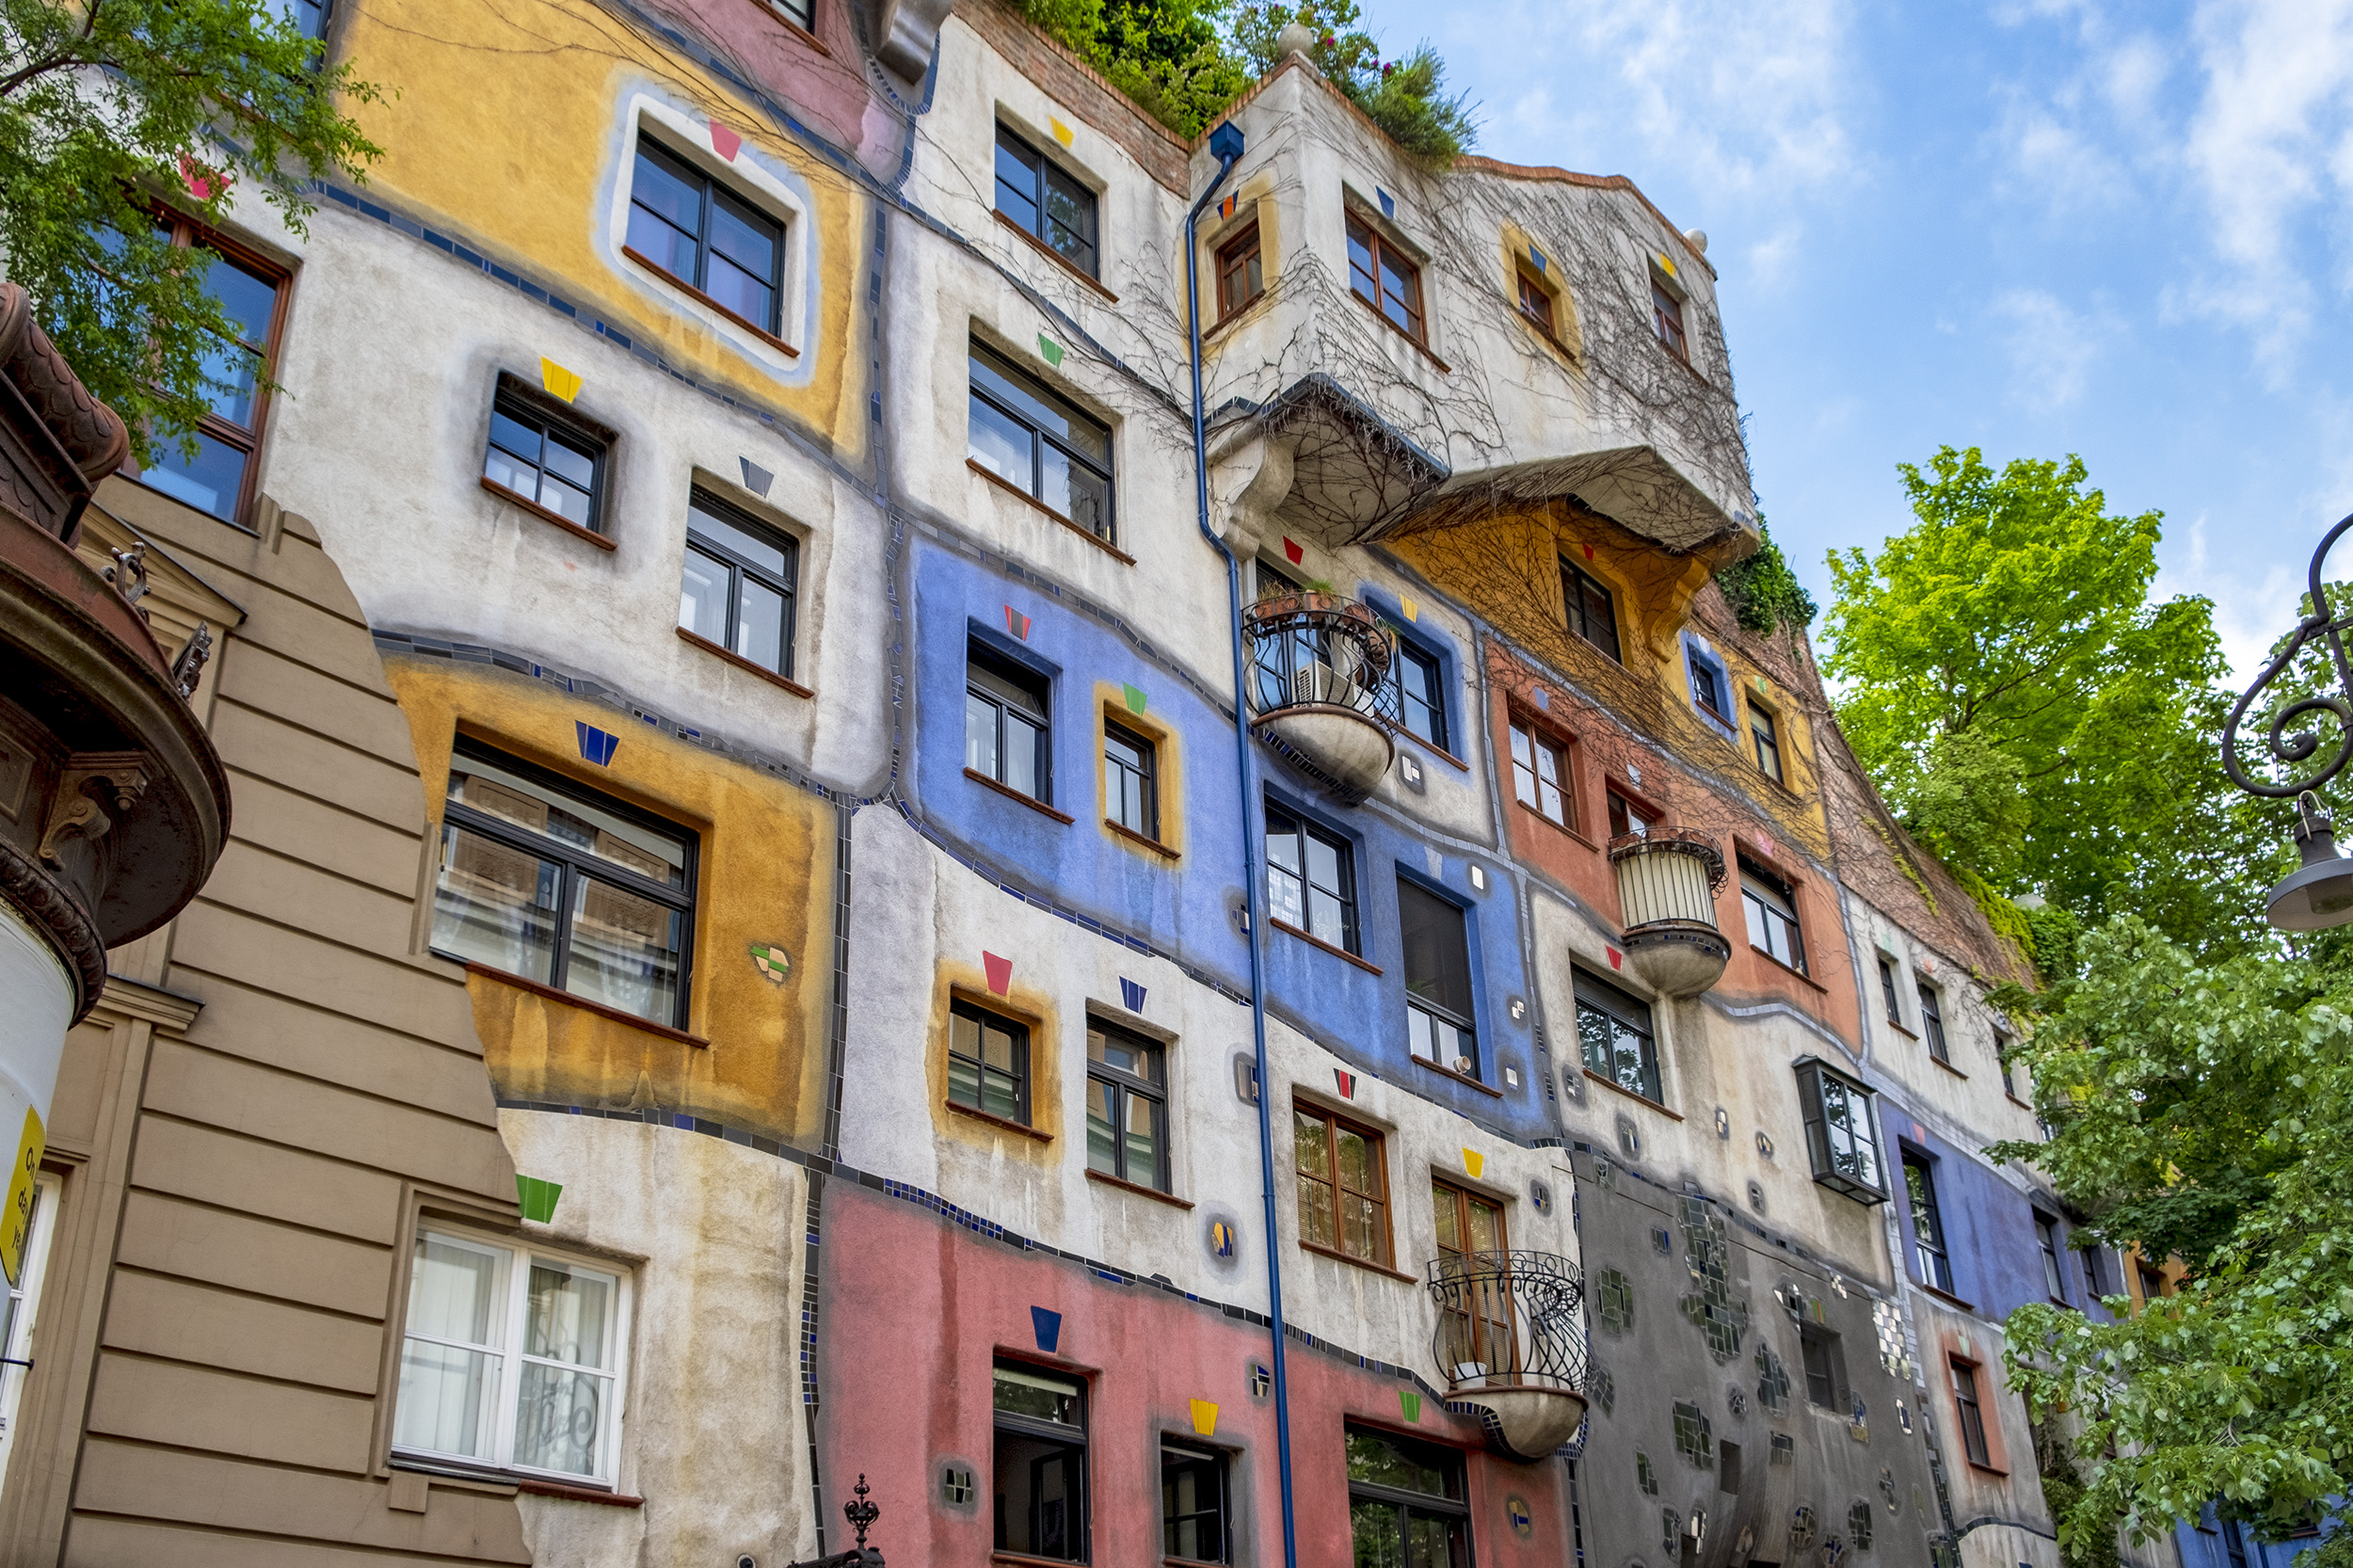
x=16 y=1220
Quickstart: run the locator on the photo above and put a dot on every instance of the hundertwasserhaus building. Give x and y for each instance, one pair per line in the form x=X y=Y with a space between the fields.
x=738 y=963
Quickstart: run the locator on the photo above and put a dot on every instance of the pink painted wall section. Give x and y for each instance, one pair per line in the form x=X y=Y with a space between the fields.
x=823 y=83
x=915 y=1310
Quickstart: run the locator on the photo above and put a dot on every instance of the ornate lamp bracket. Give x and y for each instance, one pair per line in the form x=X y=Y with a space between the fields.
x=2291 y=748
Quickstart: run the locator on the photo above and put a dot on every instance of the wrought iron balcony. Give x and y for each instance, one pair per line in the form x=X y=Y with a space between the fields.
x=1668 y=879
x=1319 y=687
x=1511 y=1339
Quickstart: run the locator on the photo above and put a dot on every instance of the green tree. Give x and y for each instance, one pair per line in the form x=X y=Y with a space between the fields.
x=113 y=110
x=1169 y=55
x=2198 y=1107
x=2038 y=721
x=1406 y=97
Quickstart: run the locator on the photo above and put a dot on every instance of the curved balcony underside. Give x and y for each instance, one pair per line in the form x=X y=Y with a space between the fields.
x=1319 y=689
x=1510 y=1340
x=1668 y=879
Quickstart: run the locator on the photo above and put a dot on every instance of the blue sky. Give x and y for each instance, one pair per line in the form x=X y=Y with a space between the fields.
x=2034 y=226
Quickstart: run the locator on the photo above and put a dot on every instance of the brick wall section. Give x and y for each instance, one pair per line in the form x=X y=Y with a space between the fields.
x=1077 y=85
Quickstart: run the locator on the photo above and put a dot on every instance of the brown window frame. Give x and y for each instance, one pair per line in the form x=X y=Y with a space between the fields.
x=1542 y=319
x=1666 y=319
x=1969 y=1412
x=1623 y=808
x=1232 y=257
x=1332 y=1124
x=1482 y=1326
x=1574 y=608
x=1378 y=246
x=1765 y=739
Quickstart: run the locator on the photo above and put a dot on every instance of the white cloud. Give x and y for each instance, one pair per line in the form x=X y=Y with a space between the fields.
x=2052 y=348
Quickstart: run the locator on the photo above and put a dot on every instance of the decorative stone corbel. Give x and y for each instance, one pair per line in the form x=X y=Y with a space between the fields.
x=88 y=782
x=1248 y=483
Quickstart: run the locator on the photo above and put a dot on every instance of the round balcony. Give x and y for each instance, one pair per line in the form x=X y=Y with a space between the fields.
x=1510 y=1340
x=1668 y=879
x=1319 y=689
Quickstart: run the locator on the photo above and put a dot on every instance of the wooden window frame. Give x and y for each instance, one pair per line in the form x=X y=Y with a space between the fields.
x=997 y=665
x=1234 y=257
x=684 y=169
x=1709 y=678
x=1929 y=1251
x=576 y=863
x=1575 y=580
x=1667 y=323
x=739 y=566
x=1530 y=284
x=1888 y=992
x=1968 y=1411
x=1350 y=897
x=1047 y=176
x=1759 y=914
x=1024 y=1080
x=1813 y=1339
x=1378 y=248
x=1519 y=727
x=1623 y=810
x=1041 y=438
x=1126 y=1086
x=1147 y=777
x=1482 y=1327
x=1464 y=1021
x=1334 y=1122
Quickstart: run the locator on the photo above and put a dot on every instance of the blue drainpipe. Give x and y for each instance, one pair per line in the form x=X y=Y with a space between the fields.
x=1225 y=146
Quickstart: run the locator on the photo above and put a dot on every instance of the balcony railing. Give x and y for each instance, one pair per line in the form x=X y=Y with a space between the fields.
x=1509 y=1319
x=1319 y=687
x=1668 y=879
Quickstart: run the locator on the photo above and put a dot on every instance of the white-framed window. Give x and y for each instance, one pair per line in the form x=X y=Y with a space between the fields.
x=23 y=1298
x=513 y=1358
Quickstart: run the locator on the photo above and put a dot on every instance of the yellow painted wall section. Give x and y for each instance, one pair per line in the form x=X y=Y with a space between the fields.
x=764 y=876
x=505 y=124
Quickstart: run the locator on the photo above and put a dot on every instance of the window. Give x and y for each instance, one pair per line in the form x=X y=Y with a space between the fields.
x=1839 y=1138
x=309 y=16
x=1479 y=1339
x=738 y=590
x=2096 y=1269
x=1972 y=1414
x=1126 y=1107
x=2152 y=1282
x=1040 y=1474
x=1240 y=274
x=563 y=887
x=988 y=1062
x=2002 y=1044
x=1421 y=692
x=220 y=478
x=1707 y=685
x=511 y=1359
x=1625 y=816
x=1666 y=314
x=1928 y=1228
x=1128 y=787
x=1540 y=772
x=1613 y=1031
x=1405 y=1503
x=1383 y=279
x=1041 y=199
x=2234 y=1542
x=1773 y=916
x=1768 y=739
x=1592 y=614
x=801 y=13
x=682 y=223
x=1825 y=1367
x=541 y=457
x=1343 y=1185
x=1041 y=444
x=1192 y=1504
x=1536 y=302
x=1310 y=880
x=1006 y=732
x=2046 y=1238
x=1438 y=1025
x=1932 y=1023
x=1887 y=992
x=17 y=1313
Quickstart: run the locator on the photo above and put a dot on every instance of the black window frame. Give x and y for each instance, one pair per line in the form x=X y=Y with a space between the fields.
x=1970 y=1409
x=1578 y=590
x=1407 y=1503
x=1379 y=249
x=1346 y=896
x=1932 y=1024
x=1929 y=1248
x=1759 y=914
x=1243 y=254
x=1048 y=178
x=739 y=567
x=981 y=1016
x=683 y=169
x=1525 y=778
x=800 y=13
x=1020 y=1427
x=1610 y=1004
x=1710 y=684
x=577 y=863
x=1432 y=667
x=1818 y=1084
x=1126 y=1086
x=1888 y=991
x=1147 y=773
x=1765 y=737
x=1030 y=684
x=1463 y=1018
x=1199 y=1458
x=1001 y=365
x=1624 y=812
x=2049 y=1242
x=512 y=398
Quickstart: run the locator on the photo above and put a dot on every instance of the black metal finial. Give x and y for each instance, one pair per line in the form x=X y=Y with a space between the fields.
x=861 y=1514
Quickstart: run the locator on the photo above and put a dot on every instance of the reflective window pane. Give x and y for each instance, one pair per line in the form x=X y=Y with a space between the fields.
x=980 y=734
x=625 y=950
x=495 y=905
x=702 y=606
x=208 y=481
x=760 y=625
x=560 y=1418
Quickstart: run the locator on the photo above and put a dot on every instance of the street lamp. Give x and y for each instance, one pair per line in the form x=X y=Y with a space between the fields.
x=2318 y=895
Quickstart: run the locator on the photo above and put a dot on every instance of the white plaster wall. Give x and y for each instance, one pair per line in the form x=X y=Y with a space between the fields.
x=714 y=1232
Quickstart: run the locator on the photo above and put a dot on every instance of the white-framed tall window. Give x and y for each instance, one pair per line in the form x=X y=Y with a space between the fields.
x=513 y=1358
x=16 y=1334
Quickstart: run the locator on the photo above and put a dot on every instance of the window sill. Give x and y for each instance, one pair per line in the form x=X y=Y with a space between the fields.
x=707 y=302
x=1551 y=338
x=1416 y=344
x=1053 y=255
x=1025 y=1560
x=1319 y=943
x=1365 y=1264
x=1615 y=1087
x=1948 y=1068
x=1233 y=318
x=1946 y=1296
x=576 y=1494
x=469 y=1475
x=1556 y=827
x=1994 y=1470
x=524 y=504
x=1787 y=970
x=1459 y=1078
x=1436 y=750
x=1026 y=499
x=792 y=27
x=2023 y=1105
x=1133 y=836
x=742 y=663
x=599 y=1009
x=1011 y=793
x=1138 y=1189
x=1022 y=1128
x=1901 y=1030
